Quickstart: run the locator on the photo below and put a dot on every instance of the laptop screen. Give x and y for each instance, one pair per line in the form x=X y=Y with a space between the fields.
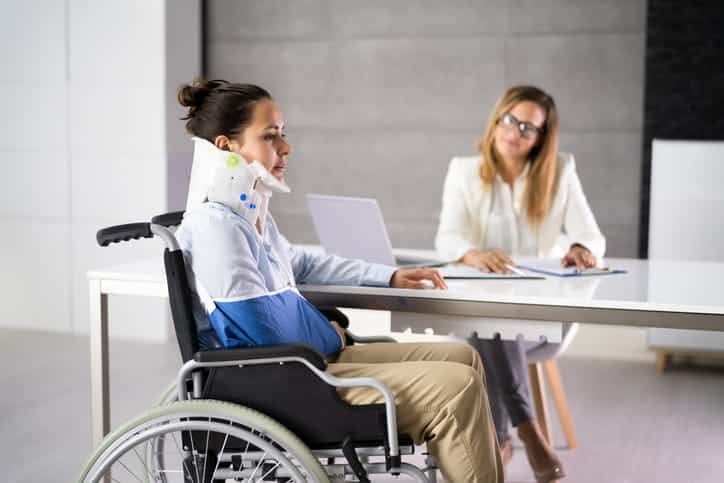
x=351 y=227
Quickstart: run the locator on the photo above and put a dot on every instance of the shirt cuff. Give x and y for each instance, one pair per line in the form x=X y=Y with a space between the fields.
x=378 y=275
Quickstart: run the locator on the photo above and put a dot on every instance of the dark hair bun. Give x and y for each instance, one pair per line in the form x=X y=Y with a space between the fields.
x=193 y=95
x=218 y=107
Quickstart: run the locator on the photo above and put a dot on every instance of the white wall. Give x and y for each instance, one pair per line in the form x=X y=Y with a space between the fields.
x=35 y=190
x=609 y=342
x=83 y=146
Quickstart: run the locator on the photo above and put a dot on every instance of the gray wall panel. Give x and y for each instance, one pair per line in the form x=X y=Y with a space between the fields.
x=413 y=232
x=378 y=95
x=621 y=240
x=419 y=18
x=415 y=82
x=608 y=164
x=597 y=80
x=268 y=19
x=403 y=232
x=572 y=16
x=298 y=74
x=403 y=170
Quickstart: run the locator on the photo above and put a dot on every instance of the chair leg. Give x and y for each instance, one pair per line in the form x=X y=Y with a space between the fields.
x=662 y=361
x=559 y=398
x=536 y=386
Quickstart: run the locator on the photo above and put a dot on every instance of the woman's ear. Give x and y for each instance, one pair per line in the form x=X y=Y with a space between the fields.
x=222 y=142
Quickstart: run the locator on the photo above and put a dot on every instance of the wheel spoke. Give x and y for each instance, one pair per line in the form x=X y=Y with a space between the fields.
x=221 y=453
x=206 y=457
x=142 y=461
x=261 y=460
x=270 y=470
x=193 y=456
x=180 y=453
x=156 y=448
x=130 y=472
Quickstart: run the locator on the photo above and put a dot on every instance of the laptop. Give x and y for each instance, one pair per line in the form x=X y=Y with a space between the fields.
x=354 y=228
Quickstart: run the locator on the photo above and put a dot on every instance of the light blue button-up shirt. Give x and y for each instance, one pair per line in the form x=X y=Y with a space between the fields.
x=245 y=284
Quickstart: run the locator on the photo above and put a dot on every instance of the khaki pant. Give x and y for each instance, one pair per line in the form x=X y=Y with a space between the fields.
x=441 y=400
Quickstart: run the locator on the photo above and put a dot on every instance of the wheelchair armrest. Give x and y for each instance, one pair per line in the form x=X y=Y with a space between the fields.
x=333 y=313
x=240 y=355
x=170 y=219
x=360 y=339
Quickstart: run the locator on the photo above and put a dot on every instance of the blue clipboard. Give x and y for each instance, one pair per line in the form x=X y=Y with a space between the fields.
x=459 y=271
x=572 y=271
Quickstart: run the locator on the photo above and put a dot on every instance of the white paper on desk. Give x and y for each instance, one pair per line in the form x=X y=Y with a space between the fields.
x=458 y=270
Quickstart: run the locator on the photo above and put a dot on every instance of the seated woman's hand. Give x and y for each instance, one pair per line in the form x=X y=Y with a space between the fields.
x=340 y=331
x=415 y=278
x=490 y=261
x=579 y=256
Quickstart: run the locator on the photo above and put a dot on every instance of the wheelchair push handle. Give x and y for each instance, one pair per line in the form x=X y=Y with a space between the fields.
x=127 y=232
x=134 y=231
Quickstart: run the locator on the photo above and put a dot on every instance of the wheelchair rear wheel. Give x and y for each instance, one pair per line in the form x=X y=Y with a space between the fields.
x=203 y=441
x=170 y=394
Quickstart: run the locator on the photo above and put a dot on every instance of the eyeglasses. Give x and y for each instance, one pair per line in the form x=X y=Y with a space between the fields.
x=526 y=129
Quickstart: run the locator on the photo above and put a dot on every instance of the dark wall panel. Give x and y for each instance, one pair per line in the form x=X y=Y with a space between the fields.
x=684 y=95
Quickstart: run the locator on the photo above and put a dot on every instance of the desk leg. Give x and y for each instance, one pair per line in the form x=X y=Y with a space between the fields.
x=100 y=402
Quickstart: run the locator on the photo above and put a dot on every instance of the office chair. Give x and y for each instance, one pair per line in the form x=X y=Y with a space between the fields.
x=543 y=358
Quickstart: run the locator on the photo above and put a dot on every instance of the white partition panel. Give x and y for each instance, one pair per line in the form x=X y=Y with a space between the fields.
x=686 y=221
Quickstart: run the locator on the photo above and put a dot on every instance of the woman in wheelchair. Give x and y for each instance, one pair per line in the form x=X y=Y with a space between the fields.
x=244 y=274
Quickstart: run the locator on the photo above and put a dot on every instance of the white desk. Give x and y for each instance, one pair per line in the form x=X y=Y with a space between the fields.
x=681 y=295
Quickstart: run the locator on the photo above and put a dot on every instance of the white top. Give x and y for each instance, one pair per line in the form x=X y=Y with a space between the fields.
x=508 y=227
x=476 y=217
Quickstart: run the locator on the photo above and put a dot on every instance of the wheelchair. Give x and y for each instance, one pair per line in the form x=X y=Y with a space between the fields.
x=256 y=414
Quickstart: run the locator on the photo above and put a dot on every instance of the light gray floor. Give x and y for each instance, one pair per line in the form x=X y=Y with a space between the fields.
x=633 y=425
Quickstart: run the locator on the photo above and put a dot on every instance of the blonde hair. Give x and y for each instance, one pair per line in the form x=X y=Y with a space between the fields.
x=543 y=157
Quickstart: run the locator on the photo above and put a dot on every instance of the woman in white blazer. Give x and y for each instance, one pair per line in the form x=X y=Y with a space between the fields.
x=518 y=197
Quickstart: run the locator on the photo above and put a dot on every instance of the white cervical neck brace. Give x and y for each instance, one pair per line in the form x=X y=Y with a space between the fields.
x=227 y=178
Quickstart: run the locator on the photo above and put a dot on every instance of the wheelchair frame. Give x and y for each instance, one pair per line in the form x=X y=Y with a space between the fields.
x=190 y=383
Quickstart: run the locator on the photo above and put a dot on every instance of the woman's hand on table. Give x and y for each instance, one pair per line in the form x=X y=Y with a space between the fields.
x=340 y=331
x=488 y=261
x=417 y=278
x=579 y=256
